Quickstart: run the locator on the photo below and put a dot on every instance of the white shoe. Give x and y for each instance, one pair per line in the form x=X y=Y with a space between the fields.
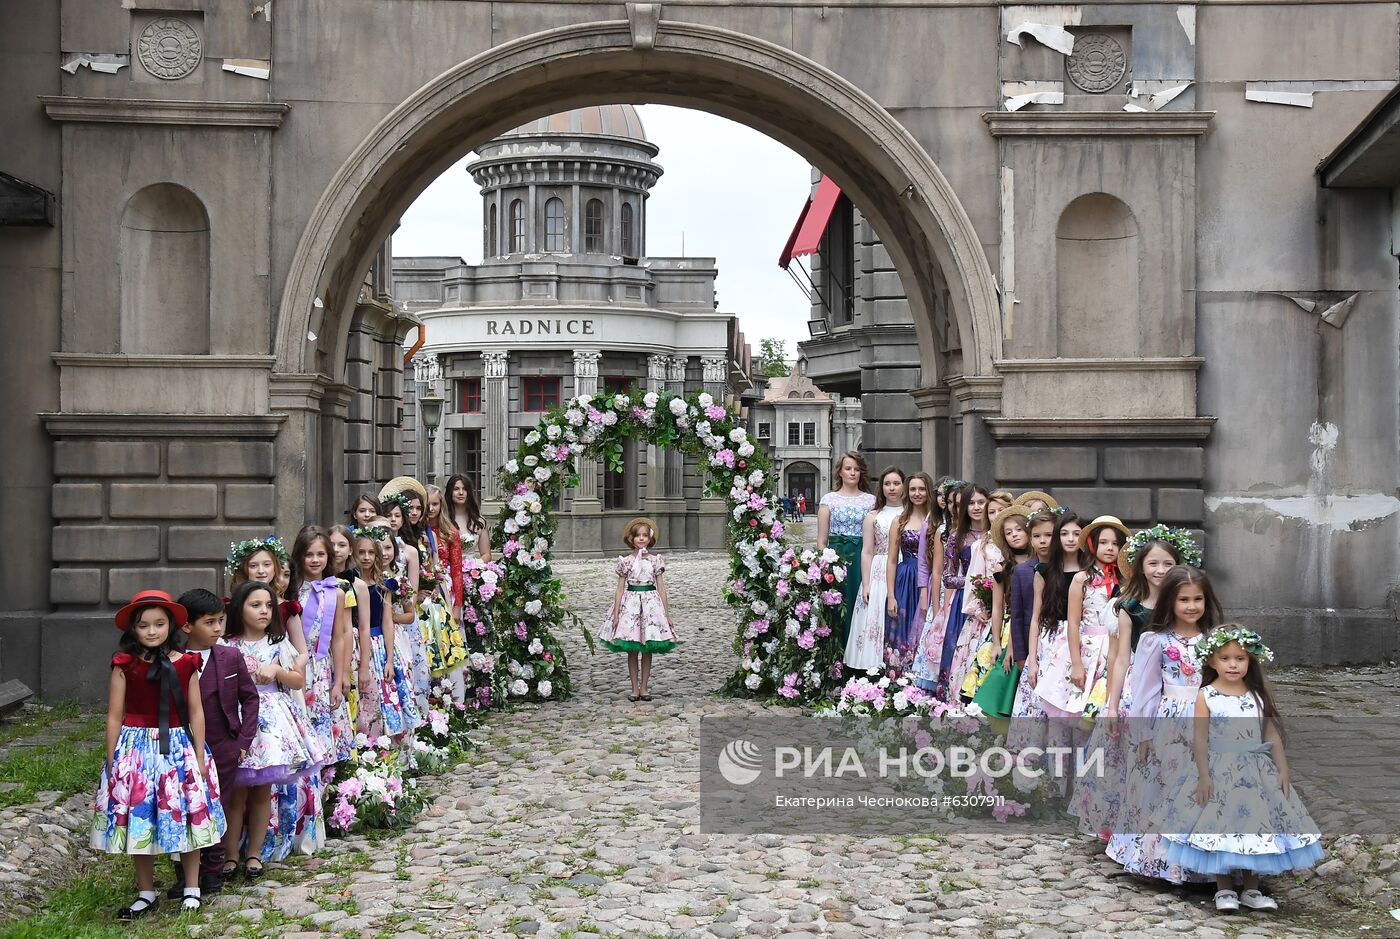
x=1257 y=901
x=1227 y=901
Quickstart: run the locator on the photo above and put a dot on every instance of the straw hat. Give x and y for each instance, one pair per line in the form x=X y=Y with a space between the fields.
x=404 y=484
x=1045 y=497
x=999 y=531
x=640 y=520
x=160 y=598
x=1106 y=521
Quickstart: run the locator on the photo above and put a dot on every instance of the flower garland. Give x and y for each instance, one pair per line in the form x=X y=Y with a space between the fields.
x=1179 y=538
x=486 y=685
x=238 y=552
x=785 y=602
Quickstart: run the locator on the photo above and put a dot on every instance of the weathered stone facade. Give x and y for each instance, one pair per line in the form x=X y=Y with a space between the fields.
x=219 y=200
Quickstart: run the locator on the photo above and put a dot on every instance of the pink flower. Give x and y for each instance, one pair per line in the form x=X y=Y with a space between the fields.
x=487 y=591
x=806 y=640
x=480 y=629
x=922 y=738
x=1187 y=668
x=758 y=627
x=740 y=587
x=831 y=597
x=726 y=457
x=520 y=631
x=756 y=501
x=351 y=788
x=548 y=657
x=787 y=691
x=344 y=814
x=715 y=413
x=823 y=631
x=802 y=609
x=782 y=588
x=521 y=489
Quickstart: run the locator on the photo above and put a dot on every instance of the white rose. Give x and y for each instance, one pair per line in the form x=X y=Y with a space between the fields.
x=532 y=460
x=706 y=399
x=574 y=416
x=553 y=431
x=650 y=399
x=518 y=687
x=522 y=519
x=609 y=418
x=511 y=527
x=533 y=608
x=752 y=682
x=756 y=478
x=759 y=607
x=532 y=438
x=544 y=688
x=793 y=627
x=745 y=449
x=901 y=700
x=584 y=400
x=536 y=647
x=512 y=467
x=541 y=545
x=489 y=577
x=543 y=473
x=829 y=556
x=527 y=671
x=678 y=407
x=738 y=435
x=621 y=401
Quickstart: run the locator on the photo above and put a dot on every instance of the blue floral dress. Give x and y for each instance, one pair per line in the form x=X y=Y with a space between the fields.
x=902 y=631
x=1164 y=682
x=1248 y=823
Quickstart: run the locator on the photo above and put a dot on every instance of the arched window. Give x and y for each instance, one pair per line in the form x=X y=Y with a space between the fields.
x=491 y=223
x=1098 y=260
x=809 y=394
x=163 y=259
x=517 y=226
x=793 y=394
x=554 y=225
x=629 y=237
x=593 y=227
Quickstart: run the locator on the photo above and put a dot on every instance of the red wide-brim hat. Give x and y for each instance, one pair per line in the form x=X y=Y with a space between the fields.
x=178 y=614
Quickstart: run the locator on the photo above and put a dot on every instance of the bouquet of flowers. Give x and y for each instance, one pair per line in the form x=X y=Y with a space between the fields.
x=370 y=789
x=482 y=592
x=982 y=586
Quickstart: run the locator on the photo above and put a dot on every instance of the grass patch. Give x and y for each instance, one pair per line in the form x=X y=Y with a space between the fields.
x=34 y=718
x=70 y=764
x=87 y=906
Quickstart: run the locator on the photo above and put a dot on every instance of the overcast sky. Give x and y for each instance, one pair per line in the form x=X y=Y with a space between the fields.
x=731 y=192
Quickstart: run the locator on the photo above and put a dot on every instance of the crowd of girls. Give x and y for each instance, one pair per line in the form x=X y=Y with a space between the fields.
x=227 y=716
x=1075 y=633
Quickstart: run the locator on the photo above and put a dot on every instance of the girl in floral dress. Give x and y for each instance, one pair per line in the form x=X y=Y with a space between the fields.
x=397 y=708
x=939 y=640
x=865 y=645
x=438 y=612
x=159 y=791
x=1151 y=555
x=357 y=604
x=1234 y=805
x=840 y=526
x=266 y=561
x=991 y=681
x=325 y=624
x=1164 y=682
x=402 y=580
x=638 y=622
x=903 y=624
x=985 y=559
x=285 y=747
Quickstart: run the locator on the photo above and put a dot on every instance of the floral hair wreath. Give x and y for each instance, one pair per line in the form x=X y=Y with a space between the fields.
x=242 y=550
x=1218 y=639
x=400 y=499
x=1178 y=538
x=372 y=532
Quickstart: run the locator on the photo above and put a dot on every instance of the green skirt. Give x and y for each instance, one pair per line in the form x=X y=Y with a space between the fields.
x=997 y=696
x=848 y=548
x=631 y=645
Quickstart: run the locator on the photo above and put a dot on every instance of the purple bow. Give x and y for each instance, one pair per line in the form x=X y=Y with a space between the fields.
x=322 y=596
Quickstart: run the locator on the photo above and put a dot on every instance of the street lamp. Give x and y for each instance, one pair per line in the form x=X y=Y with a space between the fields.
x=430 y=409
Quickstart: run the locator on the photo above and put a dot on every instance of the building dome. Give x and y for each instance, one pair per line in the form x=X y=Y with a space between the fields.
x=603 y=120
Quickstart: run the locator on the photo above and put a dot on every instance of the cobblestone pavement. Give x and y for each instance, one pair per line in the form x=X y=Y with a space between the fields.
x=582 y=818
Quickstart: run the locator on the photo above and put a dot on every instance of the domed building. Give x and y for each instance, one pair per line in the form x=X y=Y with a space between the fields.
x=567 y=302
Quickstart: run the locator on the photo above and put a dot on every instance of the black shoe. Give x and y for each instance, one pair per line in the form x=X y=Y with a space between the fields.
x=139 y=908
x=211 y=883
x=176 y=891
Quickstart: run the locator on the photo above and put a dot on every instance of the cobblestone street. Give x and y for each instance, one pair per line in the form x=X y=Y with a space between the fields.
x=582 y=818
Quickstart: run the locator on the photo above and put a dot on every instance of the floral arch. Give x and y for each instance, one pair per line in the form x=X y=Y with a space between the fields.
x=786 y=599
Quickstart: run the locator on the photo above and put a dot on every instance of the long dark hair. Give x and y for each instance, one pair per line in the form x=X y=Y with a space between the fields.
x=129 y=644
x=363 y=498
x=880 y=494
x=964 y=518
x=1054 y=596
x=1164 y=613
x=276 y=631
x=908 y=512
x=308 y=536
x=472 y=508
x=1137 y=587
x=864 y=483
x=946 y=522
x=1256 y=681
x=408 y=532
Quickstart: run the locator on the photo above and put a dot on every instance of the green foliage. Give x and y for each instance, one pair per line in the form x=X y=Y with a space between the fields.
x=772 y=358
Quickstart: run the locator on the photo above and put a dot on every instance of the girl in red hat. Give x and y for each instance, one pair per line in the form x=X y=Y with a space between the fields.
x=159 y=790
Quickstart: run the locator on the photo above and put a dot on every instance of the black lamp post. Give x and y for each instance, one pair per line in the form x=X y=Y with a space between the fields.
x=430 y=410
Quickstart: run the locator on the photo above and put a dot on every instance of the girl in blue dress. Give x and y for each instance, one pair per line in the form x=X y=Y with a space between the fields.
x=839 y=525
x=934 y=659
x=903 y=625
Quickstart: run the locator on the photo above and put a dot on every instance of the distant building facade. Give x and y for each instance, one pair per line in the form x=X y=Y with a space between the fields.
x=566 y=303
x=804 y=430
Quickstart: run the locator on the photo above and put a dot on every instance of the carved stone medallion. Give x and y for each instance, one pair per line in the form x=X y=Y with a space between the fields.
x=1097 y=63
x=170 y=48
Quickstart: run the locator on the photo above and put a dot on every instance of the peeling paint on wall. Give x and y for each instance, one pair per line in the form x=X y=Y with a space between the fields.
x=1323 y=437
x=1020 y=94
x=1340 y=513
x=1186 y=16
x=1053 y=37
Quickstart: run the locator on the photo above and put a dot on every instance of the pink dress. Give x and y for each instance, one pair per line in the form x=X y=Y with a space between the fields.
x=638 y=623
x=1058 y=694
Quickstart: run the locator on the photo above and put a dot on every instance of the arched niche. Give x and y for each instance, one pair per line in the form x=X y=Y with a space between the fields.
x=1098 y=273
x=163 y=262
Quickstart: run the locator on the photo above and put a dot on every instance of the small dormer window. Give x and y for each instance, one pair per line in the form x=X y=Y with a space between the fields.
x=554 y=225
x=629 y=237
x=593 y=227
x=517 y=226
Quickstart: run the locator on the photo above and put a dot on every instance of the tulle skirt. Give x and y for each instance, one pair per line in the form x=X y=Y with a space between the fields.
x=156 y=803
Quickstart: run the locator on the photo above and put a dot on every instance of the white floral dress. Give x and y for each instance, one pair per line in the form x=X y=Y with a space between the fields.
x=1058 y=694
x=865 y=646
x=1248 y=823
x=638 y=623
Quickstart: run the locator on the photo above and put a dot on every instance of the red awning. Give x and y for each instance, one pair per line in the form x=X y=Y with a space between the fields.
x=807 y=234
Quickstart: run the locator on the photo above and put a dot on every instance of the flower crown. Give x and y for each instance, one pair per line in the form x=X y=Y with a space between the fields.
x=399 y=498
x=1057 y=511
x=1218 y=639
x=372 y=532
x=1178 y=538
x=242 y=550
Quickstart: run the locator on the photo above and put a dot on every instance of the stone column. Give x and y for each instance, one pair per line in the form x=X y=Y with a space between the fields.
x=496 y=402
x=653 y=483
x=586 y=383
x=713 y=518
x=675 y=381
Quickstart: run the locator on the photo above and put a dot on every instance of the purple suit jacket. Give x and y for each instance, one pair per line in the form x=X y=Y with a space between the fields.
x=230 y=699
x=1021 y=600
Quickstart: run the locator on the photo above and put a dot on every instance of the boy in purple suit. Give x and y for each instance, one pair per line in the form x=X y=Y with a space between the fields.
x=230 y=711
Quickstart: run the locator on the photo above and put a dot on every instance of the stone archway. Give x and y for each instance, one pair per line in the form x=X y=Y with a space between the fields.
x=802 y=104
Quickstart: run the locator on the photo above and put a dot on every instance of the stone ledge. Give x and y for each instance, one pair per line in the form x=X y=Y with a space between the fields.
x=1100 y=428
x=1183 y=363
x=1097 y=123
x=267 y=114
x=162 y=425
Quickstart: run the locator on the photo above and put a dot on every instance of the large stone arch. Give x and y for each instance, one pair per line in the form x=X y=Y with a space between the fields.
x=799 y=102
